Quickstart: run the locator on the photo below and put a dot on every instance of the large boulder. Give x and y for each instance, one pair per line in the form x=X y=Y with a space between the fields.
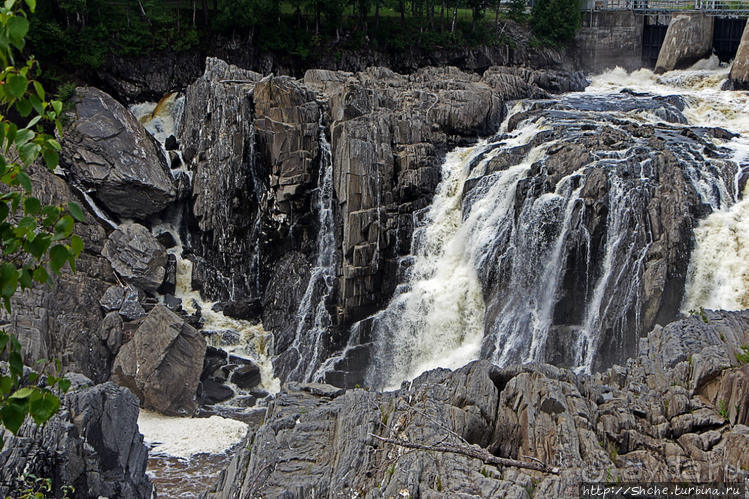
x=109 y=152
x=137 y=256
x=162 y=363
x=689 y=38
x=92 y=443
x=740 y=69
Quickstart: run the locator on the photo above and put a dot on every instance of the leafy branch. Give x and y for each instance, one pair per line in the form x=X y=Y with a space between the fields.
x=33 y=237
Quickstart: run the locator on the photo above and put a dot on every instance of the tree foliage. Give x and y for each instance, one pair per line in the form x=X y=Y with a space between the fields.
x=556 y=20
x=73 y=38
x=35 y=239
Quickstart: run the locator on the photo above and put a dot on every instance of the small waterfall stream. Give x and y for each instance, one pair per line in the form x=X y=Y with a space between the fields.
x=313 y=316
x=187 y=453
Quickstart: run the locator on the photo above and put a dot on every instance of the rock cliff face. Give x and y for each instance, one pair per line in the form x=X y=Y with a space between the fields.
x=297 y=203
x=92 y=444
x=254 y=148
x=218 y=142
x=63 y=320
x=678 y=411
x=608 y=199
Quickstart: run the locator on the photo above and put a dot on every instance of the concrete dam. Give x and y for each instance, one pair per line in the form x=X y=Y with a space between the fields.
x=634 y=35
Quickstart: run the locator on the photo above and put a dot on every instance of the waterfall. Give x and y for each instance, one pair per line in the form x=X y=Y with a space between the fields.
x=244 y=338
x=435 y=318
x=719 y=271
x=717 y=276
x=535 y=253
x=522 y=257
x=314 y=320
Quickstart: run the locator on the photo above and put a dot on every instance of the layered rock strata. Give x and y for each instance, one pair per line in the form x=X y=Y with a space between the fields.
x=677 y=411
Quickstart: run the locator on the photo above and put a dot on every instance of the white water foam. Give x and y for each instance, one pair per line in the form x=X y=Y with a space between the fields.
x=160 y=118
x=186 y=437
x=255 y=343
x=719 y=270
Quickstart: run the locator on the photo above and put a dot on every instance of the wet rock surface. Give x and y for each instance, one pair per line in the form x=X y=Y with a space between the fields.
x=93 y=444
x=637 y=422
x=218 y=144
x=608 y=198
x=255 y=178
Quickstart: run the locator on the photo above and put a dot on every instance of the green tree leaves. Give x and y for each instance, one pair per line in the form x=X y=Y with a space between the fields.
x=556 y=21
x=28 y=229
x=20 y=396
x=16 y=86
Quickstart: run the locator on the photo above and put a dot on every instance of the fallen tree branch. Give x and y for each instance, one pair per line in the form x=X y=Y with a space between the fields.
x=474 y=452
x=237 y=81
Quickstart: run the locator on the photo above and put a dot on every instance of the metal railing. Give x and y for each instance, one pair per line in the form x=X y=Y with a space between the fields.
x=730 y=8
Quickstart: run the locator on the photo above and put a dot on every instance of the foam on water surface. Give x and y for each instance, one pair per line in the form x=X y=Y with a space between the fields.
x=186 y=437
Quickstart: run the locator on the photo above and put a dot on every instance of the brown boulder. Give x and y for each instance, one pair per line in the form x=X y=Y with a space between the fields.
x=162 y=363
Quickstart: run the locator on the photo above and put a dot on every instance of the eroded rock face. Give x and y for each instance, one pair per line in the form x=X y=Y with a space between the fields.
x=162 y=363
x=641 y=422
x=136 y=256
x=256 y=148
x=62 y=319
x=606 y=199
x=286 y=120
x=108 y=152
x=218 y=144
x=93 y=444
x=389 y=132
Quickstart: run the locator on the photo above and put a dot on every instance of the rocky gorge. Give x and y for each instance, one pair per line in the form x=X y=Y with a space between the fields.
x=261 y=247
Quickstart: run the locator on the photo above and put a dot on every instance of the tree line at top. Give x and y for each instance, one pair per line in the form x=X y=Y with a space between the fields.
x=70 y=35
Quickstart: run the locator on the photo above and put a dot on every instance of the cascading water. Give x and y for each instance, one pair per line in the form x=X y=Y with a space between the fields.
x=161 y=118
x=718 y=277
x=314 y=320
x=186 y=454
x=436 y=317
x=524 y=257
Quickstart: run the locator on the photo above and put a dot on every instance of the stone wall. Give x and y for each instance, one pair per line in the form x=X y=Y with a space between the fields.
x=608 y=39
